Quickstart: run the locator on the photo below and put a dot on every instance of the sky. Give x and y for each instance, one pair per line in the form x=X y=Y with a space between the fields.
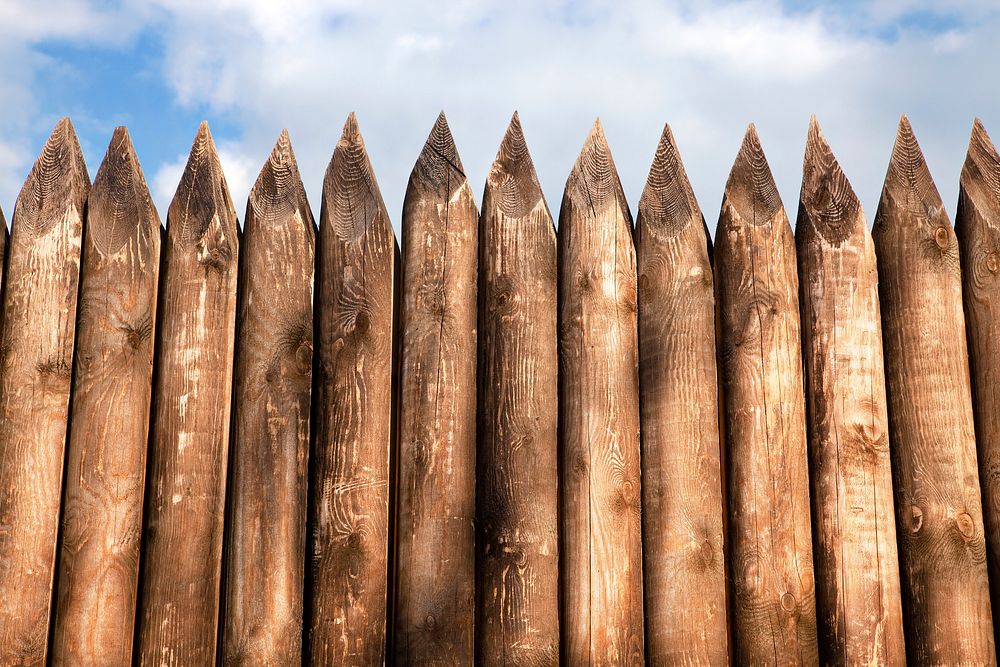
x=253 y=67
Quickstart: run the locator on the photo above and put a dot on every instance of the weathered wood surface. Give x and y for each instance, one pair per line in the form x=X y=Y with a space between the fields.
x=352 y=416
x=185 y=500
x=35 y=375
x=931 y=429
x=517 y=614
x=684 y=574
x=109 y=425
x=435 y=533
x=977 y=225
x=767 y=468
x=857 y=568
x=600 y=492
x=3 y=257
x=266 y=519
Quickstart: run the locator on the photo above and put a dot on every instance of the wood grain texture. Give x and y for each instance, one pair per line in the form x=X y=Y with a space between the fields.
x=931 y=429
x=185 y=504
x=352 y=418
x=109 y=425
x=977 y=226
x=600 y=492
x=770 y=556
x=435 y=535
x=36 y=356
x=517 y=602
x=859 y=608
x=684 y=573
x=266 y=520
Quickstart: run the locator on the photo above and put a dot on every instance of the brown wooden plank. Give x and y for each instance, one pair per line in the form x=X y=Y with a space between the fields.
x=517 y=603
x=931 y=429
x=977 y=226
x=349 y=495
x=35 y=375
x=767 y=468
x=266 y=521
x=435 y=535
x=684 y=573
x=182 y=553
x=600 y=492
x=857 y=568
x=106 y=453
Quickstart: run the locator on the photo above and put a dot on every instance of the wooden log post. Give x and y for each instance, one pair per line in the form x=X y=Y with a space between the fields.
x=684 y=572
x=109 y=426
x=435 y=535
x=266 y=522
x=517 y=614
x=352 y=419
x=932 y=438
x=857 y=568
x=977 y=225
x=767 y=467
x=600 y=493
x=185 y=504
x=35 y=374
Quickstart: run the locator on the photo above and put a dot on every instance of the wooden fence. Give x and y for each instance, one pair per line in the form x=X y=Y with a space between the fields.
x=291 y=443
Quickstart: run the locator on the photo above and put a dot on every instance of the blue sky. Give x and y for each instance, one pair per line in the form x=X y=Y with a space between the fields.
x=251 y=67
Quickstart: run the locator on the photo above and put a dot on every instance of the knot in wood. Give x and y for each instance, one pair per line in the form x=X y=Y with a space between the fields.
x=942 y=238
x=788 y=602
x=966 y=526
x=916 y=519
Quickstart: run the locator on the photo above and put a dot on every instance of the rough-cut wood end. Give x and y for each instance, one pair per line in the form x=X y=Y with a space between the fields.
x=278 y=191
x=827 y=202
x=202 y=204
x=119 y=200
x=58 y=176
x=667 y=204
x=751 y=190
x=512 y=185
x=349 y=185
x=981 y=172
x=593 y=184
x=908 y=182
x=439 y=167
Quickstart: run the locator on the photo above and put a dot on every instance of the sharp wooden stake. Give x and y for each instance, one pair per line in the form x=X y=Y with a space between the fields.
x=517 y=616
x=185 y=503
x=266 y=524
x=684 y=573
x=106 y=457
x=770 y=540
x=932 y=439
x=37 y=343
x=437 y=465
x=857 y=567
x=357 y=256
x=600 y=494
x=977 y=225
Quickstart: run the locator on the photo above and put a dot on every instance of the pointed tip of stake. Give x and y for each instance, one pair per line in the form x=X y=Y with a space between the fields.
x=278 y=189
x=439 y=157
x=667 y=202
x=594 y=179
x=981 y=170
x=908 y=181
x=751 y=189
x=828 y=202
x=512 y=179
x=203 y=181
x=120 y=202
x=57 y=178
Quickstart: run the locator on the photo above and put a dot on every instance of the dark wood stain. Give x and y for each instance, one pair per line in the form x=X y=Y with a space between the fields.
x=36 y=356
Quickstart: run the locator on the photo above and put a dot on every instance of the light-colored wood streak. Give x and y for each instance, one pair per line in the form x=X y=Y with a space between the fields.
x=185 y=503
x=977 y=225
x=857 y=568
x=600 y=494
x=517 y=612
x=266 y=520
x=767 y=468
x=36 y=355
x=352 y=418
x=931 y=429
x=435 y=534
x=109 y=426
x=684 y=573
